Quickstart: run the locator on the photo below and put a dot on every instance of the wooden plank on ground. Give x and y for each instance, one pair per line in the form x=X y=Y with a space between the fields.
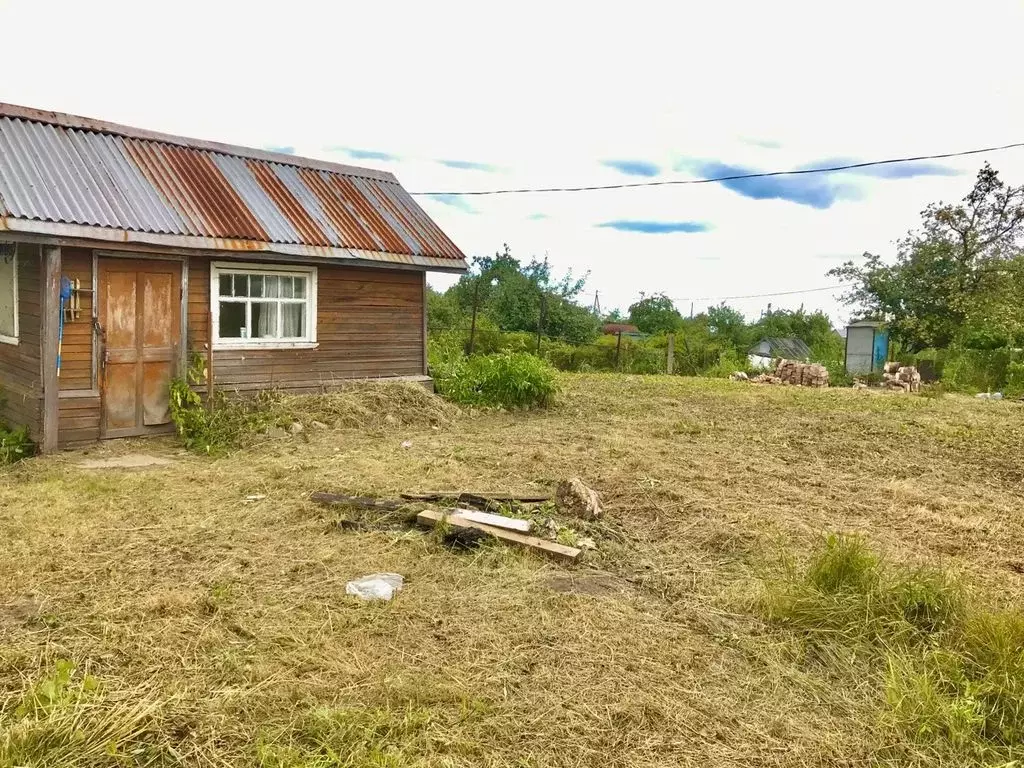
x=472 y=497
x=431 y=517
x=362 y=502
x=499 y=521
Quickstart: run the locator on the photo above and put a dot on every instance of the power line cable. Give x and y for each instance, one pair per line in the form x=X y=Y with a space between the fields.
x=762 y=295
x=749 y=296
x=732 y=177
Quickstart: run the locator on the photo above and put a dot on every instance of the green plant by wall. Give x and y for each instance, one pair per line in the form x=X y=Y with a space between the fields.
x=15 y=444
x=507 y=379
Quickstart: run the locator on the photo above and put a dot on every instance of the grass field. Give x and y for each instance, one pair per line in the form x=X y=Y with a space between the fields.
x=157 y=617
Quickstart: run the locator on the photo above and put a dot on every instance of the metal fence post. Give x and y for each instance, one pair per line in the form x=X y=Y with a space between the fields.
x=670 y=362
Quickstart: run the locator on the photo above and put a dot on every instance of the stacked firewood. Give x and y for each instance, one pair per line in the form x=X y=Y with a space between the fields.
x=902 y=377
x=795 y=373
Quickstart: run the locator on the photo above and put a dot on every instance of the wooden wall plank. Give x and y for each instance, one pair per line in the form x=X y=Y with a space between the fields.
x=20 y=366
x=48 y=330
x=77 y=352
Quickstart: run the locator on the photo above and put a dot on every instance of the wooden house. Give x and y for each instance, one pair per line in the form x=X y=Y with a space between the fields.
x=124 y=254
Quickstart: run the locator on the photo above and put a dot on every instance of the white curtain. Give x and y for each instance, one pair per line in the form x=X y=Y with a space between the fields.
x=266 y=326
x=291 y=320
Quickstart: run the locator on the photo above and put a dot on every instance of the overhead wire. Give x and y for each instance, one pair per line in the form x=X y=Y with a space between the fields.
x=718 y=179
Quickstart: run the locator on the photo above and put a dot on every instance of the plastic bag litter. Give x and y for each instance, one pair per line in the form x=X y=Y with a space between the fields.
x=375 y=586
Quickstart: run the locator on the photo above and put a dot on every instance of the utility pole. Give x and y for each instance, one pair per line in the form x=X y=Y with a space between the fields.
x=476 y=304
x=671 y=353
x=691 y=310
x=540 y=319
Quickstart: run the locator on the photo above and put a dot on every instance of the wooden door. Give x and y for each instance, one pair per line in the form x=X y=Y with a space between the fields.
x=140 y=322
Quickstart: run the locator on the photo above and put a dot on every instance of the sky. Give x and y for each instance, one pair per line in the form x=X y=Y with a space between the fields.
x=453 y=96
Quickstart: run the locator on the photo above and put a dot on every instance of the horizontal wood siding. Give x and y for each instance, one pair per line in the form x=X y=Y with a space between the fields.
x=76 y=354
x=79 y=422
x=20 y=365
x=369 y=324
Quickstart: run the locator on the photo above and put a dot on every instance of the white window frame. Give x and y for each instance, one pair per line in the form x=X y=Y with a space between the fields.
x=4 y=339
x=219 y=268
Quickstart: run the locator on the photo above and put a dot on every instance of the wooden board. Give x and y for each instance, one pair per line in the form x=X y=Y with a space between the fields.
x=430 y=518
x=472 y=497
x=360 y=502
x=499 y=521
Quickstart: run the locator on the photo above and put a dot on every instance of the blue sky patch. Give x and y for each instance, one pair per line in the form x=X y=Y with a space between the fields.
x=634 y=167
x=891 y=171
x=366 y=154
x=537 y=216
x=281 y=150
x=814 y=190
x=457 y=202
x=656 y=227
x=468 y=165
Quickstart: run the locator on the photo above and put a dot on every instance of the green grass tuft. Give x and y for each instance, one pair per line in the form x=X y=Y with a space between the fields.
x=952 y=674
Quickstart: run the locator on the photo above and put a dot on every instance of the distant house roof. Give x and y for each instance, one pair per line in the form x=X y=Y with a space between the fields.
x=620 y=328
x=75 y=177
x=790 y=348
x=865 y=324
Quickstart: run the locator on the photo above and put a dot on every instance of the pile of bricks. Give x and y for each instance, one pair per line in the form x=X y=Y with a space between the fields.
x=902 y=377
x=795 y=373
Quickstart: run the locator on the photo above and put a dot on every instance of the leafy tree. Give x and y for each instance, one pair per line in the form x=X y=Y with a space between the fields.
x=511 y=295
x=960 y=267
x=727 y=324
x=655 y=314
x=814 y=328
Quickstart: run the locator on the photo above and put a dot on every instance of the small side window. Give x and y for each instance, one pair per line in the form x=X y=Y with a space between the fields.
x=8 y=293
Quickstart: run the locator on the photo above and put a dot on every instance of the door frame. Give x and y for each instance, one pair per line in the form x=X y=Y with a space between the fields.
x=99 y=346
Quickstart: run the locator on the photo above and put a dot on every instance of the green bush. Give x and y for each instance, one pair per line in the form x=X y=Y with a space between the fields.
x=15 y=444
x=1014 y=380
x=507 y=379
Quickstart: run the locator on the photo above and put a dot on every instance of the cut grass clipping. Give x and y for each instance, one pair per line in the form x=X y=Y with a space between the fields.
x=506 y=380
x=235 y=422
x=952 y=672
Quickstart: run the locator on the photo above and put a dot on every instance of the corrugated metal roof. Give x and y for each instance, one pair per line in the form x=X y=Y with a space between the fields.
x=65 y=170
x=790 y=348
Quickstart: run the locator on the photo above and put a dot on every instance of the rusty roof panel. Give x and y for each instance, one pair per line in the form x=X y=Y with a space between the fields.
x=63 y=169
x=270 y=217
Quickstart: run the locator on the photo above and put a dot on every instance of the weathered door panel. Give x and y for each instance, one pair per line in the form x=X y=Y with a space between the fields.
x=160 y=309
x=140 y=313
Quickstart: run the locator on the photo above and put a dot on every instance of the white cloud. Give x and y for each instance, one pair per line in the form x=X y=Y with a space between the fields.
x=547 y=91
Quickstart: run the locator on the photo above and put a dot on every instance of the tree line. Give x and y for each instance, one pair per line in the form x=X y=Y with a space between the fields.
x=956 y=281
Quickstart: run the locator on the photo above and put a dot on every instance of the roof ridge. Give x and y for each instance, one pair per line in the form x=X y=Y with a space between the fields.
x=91 y=125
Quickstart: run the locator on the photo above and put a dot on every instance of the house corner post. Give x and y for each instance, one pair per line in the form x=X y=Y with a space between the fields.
x=49 y=333
x=426 y=371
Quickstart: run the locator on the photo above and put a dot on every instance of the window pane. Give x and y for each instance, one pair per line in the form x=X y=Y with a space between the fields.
x=256 y=285
x=7 y=308
x=241 y=285
x=264 y=320
x=225 y=286
x=300 y=287
x=287 y=289
x=232 y=319
x=293 y=321
x=271 y=286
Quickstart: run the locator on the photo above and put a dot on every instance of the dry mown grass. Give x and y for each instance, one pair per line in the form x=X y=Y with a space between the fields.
x=218 y=633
